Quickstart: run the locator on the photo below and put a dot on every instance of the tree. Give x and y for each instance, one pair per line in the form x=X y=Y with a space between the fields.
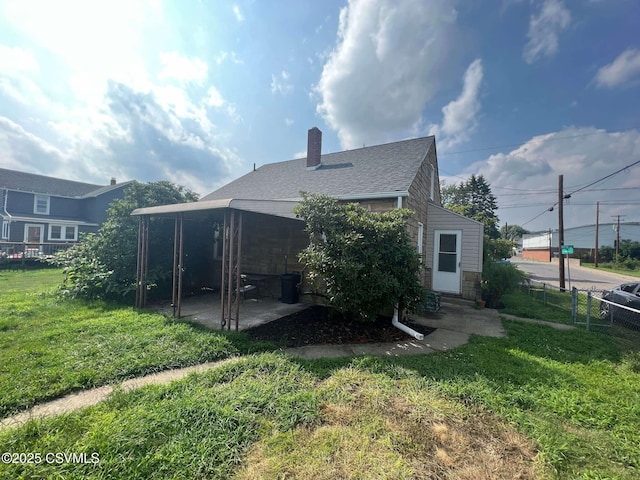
x=473 y=198
x=104 y=265
x=365 y=260
x=512 y=232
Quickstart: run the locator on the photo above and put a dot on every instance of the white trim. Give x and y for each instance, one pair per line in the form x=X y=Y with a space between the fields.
x=420 y=238
x=57 y=221
x=63 y=232
x=432 y=190
x=5 y=230
x=367 y=196
x=37 y=197
x=41 y=226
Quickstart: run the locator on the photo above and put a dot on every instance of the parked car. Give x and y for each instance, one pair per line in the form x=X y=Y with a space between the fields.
x=627 y=294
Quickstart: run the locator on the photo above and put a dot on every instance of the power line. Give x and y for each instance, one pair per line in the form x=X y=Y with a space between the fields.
x=550 y=209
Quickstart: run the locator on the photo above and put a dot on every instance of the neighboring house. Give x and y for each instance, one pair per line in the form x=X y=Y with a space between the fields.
x=381 y=177
x=41 y=212
x=543 y=246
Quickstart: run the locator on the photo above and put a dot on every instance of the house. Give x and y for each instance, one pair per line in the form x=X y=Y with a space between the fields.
x=40 y=213
x=543 y=246
x=381 y=177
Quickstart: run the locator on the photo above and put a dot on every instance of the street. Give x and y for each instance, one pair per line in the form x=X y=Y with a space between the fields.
x=581 y=277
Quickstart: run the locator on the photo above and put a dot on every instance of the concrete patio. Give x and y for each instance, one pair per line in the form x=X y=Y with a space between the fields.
x=454 y=323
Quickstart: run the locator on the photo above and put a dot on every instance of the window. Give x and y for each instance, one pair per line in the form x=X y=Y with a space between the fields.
x=5 y=230
x=63 y=232
x=41 y=204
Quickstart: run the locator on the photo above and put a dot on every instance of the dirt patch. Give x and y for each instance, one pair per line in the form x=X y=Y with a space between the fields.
x=318 y=325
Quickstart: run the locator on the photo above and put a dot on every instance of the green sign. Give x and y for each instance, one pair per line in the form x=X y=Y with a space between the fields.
x=566 y=249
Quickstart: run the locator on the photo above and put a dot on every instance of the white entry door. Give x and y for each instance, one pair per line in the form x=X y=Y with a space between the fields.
x=446 y=260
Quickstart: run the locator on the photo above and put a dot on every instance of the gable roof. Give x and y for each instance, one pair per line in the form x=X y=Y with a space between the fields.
x=361 y=172
x=42 y=184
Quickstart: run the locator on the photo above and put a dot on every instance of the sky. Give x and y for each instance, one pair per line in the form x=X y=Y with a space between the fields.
x=197 y=92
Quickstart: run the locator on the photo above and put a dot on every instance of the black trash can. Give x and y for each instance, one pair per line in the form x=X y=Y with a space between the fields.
x=289 y=286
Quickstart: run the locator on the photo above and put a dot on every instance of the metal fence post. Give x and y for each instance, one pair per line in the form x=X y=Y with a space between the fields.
x=574 y=304
x=544 y=294
x=588 y=308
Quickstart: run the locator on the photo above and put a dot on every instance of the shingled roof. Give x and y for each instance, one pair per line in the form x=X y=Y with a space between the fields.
x=33 y=183
x=364 y=171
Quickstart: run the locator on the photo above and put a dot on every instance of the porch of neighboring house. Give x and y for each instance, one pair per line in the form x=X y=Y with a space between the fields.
x=229 y=258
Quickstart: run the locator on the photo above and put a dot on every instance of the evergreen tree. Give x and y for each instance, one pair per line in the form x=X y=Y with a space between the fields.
x=474 y=199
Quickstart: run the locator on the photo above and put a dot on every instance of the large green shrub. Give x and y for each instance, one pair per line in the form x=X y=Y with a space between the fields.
x=498 y=279
x=365 y=260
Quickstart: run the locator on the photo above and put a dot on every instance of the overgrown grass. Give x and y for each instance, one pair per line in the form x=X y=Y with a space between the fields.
x=50 y=347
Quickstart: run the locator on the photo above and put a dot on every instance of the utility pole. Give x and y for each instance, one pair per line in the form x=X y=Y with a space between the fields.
x=560 y=232
x=595 y=254
x=617 y=235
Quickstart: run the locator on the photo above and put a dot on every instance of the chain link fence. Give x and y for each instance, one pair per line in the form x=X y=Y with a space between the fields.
x=584 y=306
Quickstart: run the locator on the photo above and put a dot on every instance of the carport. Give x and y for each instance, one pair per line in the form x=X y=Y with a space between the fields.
x=252 y=238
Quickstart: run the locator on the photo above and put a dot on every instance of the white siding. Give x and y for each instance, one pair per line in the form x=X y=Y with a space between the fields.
x=472 y=236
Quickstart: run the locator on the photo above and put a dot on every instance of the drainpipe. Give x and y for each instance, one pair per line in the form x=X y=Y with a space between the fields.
x=403 y=327
x=4 y=208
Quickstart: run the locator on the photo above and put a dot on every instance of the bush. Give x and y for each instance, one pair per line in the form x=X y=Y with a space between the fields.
x=498 y=279
x=104 y=265
x=364 y=259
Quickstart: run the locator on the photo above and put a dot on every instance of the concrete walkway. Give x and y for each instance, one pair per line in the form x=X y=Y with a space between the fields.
x=456 y=321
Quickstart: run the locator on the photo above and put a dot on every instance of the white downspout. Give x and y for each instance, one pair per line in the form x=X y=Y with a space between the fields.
x=4 y=207
x=403 y=327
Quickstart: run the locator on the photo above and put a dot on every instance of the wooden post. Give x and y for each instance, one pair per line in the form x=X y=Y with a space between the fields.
x=223 y=273
x=181 y=262
x=174 y=283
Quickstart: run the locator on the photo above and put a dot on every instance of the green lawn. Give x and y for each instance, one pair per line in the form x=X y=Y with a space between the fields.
x=50 y=347
x=574 y=395
x=609 y=267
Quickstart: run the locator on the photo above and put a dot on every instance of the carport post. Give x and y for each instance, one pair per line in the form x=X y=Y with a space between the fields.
x=174 y=286
x=238 y=269
x=232 y=222
x=223 y=272
x=180 y=260
x=143 y=261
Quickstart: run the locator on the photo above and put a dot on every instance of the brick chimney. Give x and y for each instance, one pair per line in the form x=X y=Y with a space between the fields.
x=314 y=148
x=113 y=180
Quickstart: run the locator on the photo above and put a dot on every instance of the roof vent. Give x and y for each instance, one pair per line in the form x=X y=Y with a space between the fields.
x=113 y=180
x=314 y=148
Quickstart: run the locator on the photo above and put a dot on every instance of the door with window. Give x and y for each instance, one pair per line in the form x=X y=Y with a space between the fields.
x=33 y=236
x=446 y=260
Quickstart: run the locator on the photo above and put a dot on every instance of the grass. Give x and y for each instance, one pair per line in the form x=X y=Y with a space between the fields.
x=611 y=267
x=51 y=347
x=532 y=305
x=538 y=403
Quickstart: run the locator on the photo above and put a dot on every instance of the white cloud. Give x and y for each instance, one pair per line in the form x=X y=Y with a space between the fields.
x=280 y=83
x=544 y=29
x=625 y=68
x=459 y=116
x=238 y=13
x=525 y=179
x=214 y=98
x=389 y=60
x=16 y=59
x=181 y=68
x=288 y=122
